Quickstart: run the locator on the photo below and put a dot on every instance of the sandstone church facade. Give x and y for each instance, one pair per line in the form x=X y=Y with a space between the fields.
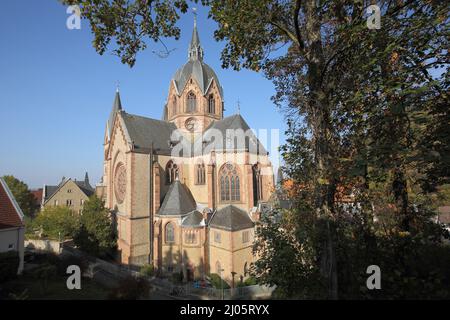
x=185 y=193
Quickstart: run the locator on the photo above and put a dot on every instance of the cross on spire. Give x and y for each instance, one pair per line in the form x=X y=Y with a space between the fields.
x=195 y=51
x=238 y=107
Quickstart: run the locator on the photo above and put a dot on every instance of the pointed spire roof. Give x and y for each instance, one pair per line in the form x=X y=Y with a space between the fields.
x=178 y=201
x=86 y=178
x=117 y=106
x=195 y=51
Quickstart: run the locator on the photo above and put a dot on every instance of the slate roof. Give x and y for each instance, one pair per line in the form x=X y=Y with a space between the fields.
x=177 y=201
x=85 y=187
x=196 y=68
x=117 y=106
x=193 y=219
x=11 y=215
x=143 y=131
x=234 y=122
x=231 y=218
x=49 y=191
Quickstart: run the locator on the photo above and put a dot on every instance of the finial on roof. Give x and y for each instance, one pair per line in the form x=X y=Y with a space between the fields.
x=117 y=86
x=117 y=103
x=194 y=10
x=195 y=51
x=238 y=107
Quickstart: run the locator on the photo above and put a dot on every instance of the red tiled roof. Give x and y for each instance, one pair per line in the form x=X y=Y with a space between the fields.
x=9 y=215
x=37 y=195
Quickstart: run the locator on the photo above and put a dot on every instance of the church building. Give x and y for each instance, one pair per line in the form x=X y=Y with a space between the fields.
x=186 y=191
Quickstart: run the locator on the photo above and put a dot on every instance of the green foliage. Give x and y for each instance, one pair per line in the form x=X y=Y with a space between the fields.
x=177 y=277
x=9 y=265
x=96 y=234
x=218 y=282
x=55 y=223
x=131 y=24
x=131 y=288
x=22 y=194
x=250 y=281
x=367 y=121
x=147 y=270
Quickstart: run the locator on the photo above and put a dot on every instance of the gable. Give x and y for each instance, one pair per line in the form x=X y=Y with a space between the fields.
x=119 y=135
x=76 y=187
x=11 y=216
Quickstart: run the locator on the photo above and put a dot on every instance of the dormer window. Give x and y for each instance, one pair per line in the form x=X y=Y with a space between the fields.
x=211 y=105
x=191 y=102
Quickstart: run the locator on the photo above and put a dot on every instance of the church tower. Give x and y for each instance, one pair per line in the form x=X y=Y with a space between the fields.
x=195 y=96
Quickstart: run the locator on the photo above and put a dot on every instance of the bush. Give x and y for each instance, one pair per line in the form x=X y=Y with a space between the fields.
x=130 y=288
x=147 y=270
x=54 y=222
x=217 y=282
x=177 y=277
x=250 y=281
x=9 y=265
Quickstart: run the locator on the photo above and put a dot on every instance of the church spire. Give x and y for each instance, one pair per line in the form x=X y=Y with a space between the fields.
x=117 y=106
x=195 y=51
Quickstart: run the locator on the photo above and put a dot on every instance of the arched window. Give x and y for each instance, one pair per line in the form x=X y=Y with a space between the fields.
x=170 y=233
x=211 y=105
x=191 y=102
x=174 y=106
x=200 y=173
x=230 y=189
x=171 y=172
x=257 y=184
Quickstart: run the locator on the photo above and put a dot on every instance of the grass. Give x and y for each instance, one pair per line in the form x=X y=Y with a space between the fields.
x=55 y=289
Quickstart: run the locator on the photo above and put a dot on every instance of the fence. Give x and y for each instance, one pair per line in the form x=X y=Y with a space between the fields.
x=109 y=274
x=43 y=245
x=248 y=292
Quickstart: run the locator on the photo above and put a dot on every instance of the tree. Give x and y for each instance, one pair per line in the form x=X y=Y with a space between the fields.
x=54 y=222
x=367 y=119
x=96 y=234
x=22 y=194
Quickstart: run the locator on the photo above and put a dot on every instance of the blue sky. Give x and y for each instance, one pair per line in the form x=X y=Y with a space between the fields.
x=56 y=92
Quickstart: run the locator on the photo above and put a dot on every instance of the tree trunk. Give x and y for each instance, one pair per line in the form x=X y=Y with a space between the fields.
x=324 y=190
